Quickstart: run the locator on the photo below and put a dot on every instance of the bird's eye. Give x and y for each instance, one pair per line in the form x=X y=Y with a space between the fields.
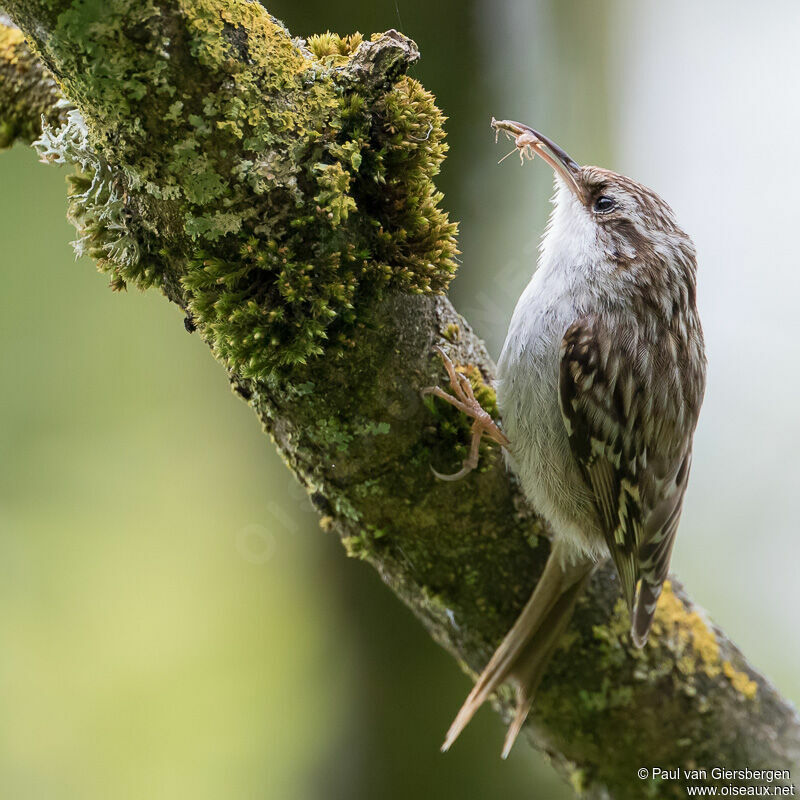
x=604 y=204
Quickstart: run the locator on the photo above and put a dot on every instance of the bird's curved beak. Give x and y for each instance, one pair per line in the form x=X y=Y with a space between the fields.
x=524 y=136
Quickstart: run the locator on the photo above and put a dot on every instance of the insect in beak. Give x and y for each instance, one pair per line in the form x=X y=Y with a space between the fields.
x=529 y=142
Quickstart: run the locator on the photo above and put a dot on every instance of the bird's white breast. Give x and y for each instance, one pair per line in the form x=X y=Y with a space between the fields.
x=564 y=288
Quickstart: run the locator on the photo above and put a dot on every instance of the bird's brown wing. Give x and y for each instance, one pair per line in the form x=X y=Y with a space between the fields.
x=656 y=550
x=596 y=396
x=632 y=440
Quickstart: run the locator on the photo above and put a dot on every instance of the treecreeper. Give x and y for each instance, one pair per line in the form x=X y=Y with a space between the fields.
x=599 y=388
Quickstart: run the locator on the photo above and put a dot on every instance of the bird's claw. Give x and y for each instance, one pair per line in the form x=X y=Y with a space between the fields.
x=455 y=476
x=463 y=398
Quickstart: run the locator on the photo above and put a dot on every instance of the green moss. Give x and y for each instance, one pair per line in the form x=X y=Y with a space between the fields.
x=372 y=428
x=107 y=69
x=334 y=182
x=362 y=545
x=332 y=49
x=607 y=697
x=269 y=152
x=344 y=507
x=452 y=332
x=294 y=293
x=330 y=434
x=577 y=780
x=356 y=546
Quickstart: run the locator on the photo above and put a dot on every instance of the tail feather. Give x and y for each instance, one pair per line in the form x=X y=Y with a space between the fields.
x=524 y=653
x=495 y=673
x=643 y=613
x=529 y=669
x=524 y=703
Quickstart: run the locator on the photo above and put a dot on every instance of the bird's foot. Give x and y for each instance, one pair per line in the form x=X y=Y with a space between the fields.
x=463 y=398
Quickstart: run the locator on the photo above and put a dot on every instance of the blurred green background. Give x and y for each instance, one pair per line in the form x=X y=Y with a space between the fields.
x=173 y=623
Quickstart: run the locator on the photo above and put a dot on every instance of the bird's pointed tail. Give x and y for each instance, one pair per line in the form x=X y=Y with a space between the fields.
x=644 y=611
x=524 y=653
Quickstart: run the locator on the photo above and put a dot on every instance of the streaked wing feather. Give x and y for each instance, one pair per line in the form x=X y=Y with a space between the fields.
x=631 y=437
x=594 y=398
x=655 y=554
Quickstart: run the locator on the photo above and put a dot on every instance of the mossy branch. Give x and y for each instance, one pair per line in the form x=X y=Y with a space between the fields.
x=280 y=192
x=27 y=90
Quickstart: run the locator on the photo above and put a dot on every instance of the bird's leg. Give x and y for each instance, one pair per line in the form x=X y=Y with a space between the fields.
x=465 y=401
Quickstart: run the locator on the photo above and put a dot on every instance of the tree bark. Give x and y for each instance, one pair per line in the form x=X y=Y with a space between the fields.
x=27 y=91
x=280 y=193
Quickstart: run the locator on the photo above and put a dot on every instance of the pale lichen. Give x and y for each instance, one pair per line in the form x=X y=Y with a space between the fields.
x=96 y=202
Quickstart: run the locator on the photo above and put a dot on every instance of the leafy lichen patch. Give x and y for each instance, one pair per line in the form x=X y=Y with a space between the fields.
x=96 y=203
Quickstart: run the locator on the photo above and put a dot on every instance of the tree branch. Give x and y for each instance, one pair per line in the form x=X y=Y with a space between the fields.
x=27 y=90
x=280 y=193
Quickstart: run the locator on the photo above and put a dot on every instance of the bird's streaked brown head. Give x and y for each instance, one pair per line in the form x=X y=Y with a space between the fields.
x=616 y=203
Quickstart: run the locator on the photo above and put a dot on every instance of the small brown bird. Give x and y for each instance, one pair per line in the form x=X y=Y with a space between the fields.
x=600 y=384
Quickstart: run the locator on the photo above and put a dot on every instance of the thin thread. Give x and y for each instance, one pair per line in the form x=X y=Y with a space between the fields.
x=399 y=18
